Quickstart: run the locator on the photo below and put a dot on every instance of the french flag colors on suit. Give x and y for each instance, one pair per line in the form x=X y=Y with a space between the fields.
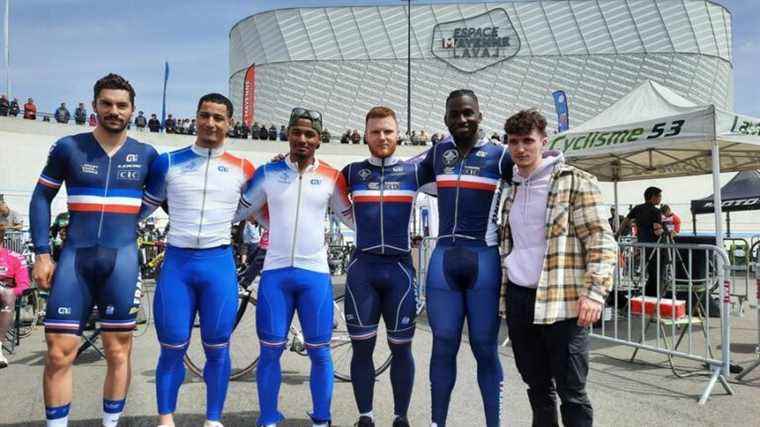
x=115 y=200
x=388 y=196
x=467 y=181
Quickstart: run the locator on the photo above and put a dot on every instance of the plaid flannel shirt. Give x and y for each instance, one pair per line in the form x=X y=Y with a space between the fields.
x=581 y=252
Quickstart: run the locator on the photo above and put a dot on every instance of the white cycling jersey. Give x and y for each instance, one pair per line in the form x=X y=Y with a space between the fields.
x=296 y=204
x=202 y=187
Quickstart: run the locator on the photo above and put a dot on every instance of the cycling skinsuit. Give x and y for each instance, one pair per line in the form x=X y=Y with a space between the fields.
x=296 y=274
x=202 y=187
x=98 y=263
x=464 y=272
x=380 y=276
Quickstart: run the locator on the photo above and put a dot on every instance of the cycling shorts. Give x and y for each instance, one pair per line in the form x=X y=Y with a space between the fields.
x=94 y=275
x=284 y=290
x=380 y=284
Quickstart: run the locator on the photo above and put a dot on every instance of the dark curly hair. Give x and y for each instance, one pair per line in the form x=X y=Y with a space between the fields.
x=524 y=122
x=114 y=81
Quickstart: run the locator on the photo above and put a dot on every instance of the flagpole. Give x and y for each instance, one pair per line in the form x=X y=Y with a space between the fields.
x=8 y=48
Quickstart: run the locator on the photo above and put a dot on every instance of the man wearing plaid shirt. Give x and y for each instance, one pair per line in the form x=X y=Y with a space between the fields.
x=558 y=255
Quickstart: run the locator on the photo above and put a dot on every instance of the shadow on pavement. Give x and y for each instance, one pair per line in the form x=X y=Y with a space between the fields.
x=233 y=419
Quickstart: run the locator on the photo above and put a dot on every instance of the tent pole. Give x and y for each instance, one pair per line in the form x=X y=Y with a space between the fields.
x=616 y=219
x=728 y=223
x=716 y=194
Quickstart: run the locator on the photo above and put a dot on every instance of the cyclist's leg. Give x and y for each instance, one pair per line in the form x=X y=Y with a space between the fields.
x=274 y=312
x=118 y=311
x=315 y=312
x=362 y=308
x=217 y=308
x=399 y=311
x=483 y=329
x=174 y=306
x=68 y=309
x=445 y=308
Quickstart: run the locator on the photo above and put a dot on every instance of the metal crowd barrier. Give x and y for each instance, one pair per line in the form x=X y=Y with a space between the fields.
x=15 y=240
x=686 y=278
x=739 y=254
x=756 y=363
x=420 y=258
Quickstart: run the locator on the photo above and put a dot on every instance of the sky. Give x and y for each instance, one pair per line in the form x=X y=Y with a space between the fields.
x=59 y=48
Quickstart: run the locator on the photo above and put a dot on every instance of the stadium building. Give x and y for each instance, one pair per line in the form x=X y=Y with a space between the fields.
x=344 y=60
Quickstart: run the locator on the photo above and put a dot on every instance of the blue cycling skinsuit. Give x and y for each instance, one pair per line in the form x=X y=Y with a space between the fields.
x=380 y=276
x=295 y=274
x=464 y=272
x=98 y=263
x=202 y=187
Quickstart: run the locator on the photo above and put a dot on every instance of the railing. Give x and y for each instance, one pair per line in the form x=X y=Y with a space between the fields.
x=670 y=286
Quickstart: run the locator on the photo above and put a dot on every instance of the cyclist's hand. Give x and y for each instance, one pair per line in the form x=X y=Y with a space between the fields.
x=42 y=273
x=589 y=311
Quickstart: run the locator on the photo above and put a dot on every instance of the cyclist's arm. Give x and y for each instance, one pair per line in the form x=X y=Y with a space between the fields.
x=154 y=194
x=426 y=173
x=506 y=166
x=340 y=204
x=254 y=197
x=47 y=187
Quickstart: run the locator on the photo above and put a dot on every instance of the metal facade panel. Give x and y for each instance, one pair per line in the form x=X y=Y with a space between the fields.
x=344 y=60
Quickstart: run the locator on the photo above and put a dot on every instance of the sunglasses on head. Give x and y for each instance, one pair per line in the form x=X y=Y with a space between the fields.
x=301 y=113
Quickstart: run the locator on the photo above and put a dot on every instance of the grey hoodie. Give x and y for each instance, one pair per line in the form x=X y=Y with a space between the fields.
x=527 y=222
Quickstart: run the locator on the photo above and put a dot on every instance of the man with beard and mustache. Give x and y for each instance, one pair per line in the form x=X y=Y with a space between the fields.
x=464 y=273
x=104 y=171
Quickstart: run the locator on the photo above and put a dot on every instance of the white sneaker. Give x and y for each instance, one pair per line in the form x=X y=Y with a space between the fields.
x=209 y=423
x=3 y=360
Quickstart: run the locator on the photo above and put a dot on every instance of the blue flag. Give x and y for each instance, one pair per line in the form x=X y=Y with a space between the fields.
x=163 y=105
x=563 y=116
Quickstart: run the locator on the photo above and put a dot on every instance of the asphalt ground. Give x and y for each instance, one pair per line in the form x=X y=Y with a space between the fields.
x=644 y=393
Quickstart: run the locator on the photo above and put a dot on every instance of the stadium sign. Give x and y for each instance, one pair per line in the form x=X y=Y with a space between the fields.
x=474 y=43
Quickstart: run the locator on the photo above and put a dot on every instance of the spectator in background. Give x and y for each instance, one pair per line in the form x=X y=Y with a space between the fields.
x=244 y=130
x=192 y=128
x=283 y=134
x=255 y=130
x=153 y=124
x=346 y=137
x=621 y=220
x=62 y=114
x=5 y=106
x=495 y=138
x=263 y=133
x=670 y=220
x=9 y=219
x=80 y=114
x=415 y=138
x=272 y=133
x=30 y=110
x=170 y=125
x=14 y=108
x=424 y=137
x=435 y=139
x=325 y=136
x=356 y=137
x=93 y=120
x=141 y=121
x=648 y=220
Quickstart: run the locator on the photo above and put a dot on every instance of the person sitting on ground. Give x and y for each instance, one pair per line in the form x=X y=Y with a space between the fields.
x=255 y=130
x=154 y=124
x=263 y=133
x=346 y=137
x=283 y=134
x=80 y=114
x=141 y=121
x=272 y=133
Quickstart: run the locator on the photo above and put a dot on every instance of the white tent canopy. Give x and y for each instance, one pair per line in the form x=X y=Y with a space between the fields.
x=653 y=132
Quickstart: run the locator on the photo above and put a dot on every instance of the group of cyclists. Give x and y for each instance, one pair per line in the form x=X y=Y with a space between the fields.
x=114 y=181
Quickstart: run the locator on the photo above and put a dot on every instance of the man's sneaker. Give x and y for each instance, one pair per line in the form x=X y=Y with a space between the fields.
x=365 y=421
x=400 y=422
x=3 y=360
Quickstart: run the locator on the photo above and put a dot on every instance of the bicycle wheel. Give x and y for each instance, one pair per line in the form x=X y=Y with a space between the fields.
x=342 y=352
x=244 y=345
x=30 y=309
x=142 y=320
